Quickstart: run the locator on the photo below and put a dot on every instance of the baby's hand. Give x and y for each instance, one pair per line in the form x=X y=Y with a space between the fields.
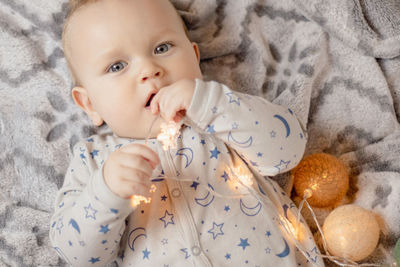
x=172 y=101
x=128 y=169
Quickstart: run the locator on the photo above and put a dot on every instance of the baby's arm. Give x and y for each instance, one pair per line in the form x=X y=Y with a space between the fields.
x=267 y=136
x=89 y=218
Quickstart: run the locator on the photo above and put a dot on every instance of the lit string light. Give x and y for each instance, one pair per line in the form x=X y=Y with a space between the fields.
x=241 y=175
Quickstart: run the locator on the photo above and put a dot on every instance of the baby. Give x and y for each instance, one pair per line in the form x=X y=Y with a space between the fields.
x=209 y=203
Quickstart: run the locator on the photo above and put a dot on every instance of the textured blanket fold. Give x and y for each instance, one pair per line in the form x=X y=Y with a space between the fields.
x=336 y=64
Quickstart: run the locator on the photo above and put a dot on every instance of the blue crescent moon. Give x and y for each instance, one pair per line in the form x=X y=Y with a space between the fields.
x=285 y=252
x=246 y=143
x=75 y=225
x=134 y=235
x=187 y=153
x=261 y=190
x=284 y=121
x=205 y=201
x=253 y=211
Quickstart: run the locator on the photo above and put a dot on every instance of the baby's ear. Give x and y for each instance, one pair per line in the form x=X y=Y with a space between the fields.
x=81 y=98
x=196 y=51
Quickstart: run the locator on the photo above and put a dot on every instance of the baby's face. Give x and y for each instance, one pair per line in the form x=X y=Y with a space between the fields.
x=123 y=51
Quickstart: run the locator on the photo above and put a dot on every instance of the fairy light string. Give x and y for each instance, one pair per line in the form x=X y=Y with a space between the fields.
x=243 y=176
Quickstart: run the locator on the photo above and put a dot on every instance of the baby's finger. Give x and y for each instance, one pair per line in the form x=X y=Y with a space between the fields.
x=155 y=104
x=143 y=150
x=135 y=161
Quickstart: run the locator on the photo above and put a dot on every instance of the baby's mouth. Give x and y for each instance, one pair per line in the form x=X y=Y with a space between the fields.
x=148 y=103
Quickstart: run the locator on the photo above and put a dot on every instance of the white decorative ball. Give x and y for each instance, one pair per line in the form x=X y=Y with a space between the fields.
x=351 y=232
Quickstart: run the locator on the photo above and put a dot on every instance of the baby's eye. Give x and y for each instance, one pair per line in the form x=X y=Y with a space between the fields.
x=162 y=48
x=117 y=67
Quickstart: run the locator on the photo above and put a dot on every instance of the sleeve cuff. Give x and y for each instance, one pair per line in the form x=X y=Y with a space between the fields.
x=103 y=194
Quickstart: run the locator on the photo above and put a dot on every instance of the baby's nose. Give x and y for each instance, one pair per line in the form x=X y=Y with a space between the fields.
x=150 y=75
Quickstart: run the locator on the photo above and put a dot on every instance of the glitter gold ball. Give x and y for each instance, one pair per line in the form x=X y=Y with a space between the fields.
x=325 y=176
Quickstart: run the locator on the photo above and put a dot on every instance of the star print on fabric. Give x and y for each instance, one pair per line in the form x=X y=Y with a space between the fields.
x=254 y=163
x=268 y=250
x=90 y=212
x=163 y=198
x=104 y=229
x=282 y=165
x=146 y=254
x=268 y=233
x=94 y=153
x=202 y=142
x=225 y=176
x=235 y=126
x=194 y=185
x=104 y=241
x=185 y=250
x=243 y=243
x=301 y=136
x=272 y=134
x=216 y=230
x=256 y=122
x=94 y=260
x=60 y=225
x=228 y=256
x=70 y=243
x=115 y=211
x=259 y=154
x=164 y=241
x=167 y=219
x=82 y=156
x=214 y=110
x=227 y=208
x=214 y=153
x=210 y=129
x=233 y=99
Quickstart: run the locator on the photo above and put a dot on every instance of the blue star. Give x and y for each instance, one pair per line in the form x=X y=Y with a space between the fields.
x=210 y=129
x=60 y=225
x=70 y=243
x=232 y=100
x=259 y=154
x=104 y=229
x=94 y=153
x=214 y=110
x=226 y=208
x=257 y=122
x=282 y=165
x=228 y=256
x=164 y=241
x=90 y=212
x=163 y=198
x=146 y=254
x=104 y=241
x=214 y=153
x=202 y=142
x=254 y=163
x=94 y=260
x=194 y=185
x=114 y=211
x=272 y=134
x=185 y=250
x=225 y=176
x=90 y=140
x=167 y=219
x=301 y=136
x=267 y=250
x=214 y=229
x=243 y=243
x=268 y=233
x=235 y=126
x=82 y=156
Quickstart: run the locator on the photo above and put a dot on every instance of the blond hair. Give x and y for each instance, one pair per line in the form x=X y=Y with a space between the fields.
x=73 y=6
